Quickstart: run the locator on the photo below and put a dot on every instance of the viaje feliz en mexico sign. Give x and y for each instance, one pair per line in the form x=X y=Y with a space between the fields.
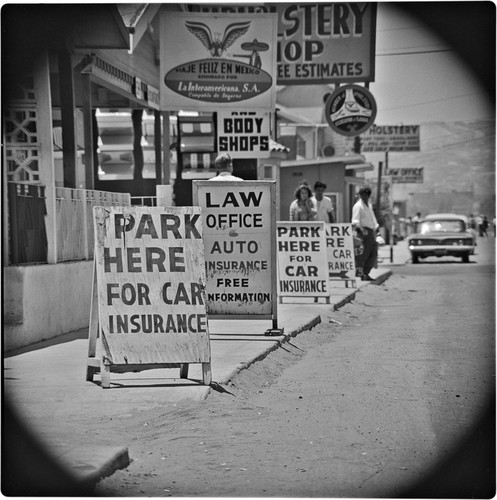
x=216 y=61
x=317 y=42
x=239 y=228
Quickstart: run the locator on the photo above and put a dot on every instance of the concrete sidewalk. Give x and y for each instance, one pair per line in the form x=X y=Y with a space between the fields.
x=46 y=385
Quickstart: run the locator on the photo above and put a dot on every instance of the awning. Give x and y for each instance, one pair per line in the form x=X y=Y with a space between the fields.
x=359 y=167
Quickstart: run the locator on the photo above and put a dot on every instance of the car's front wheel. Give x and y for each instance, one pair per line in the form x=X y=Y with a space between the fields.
x=415 y=259
x=465 y=258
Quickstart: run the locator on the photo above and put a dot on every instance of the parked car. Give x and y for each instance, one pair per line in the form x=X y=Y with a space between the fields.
x=439 y=235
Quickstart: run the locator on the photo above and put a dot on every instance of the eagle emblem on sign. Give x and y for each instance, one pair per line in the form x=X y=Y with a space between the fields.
x=215 y=44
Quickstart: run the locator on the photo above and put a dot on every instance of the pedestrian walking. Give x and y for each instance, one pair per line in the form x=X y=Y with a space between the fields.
x=302 y=208
x=416 y=220
x=484 y=225
x=365 y=224
x=224 y=169
x=479 y=223
x=322 y=204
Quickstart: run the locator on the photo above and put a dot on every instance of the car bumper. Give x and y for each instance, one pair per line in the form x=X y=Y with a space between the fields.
x=440 y=251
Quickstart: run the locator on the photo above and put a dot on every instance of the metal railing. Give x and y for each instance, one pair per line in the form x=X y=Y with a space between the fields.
x=144 y=201
x=74 y=231
x=74 y=219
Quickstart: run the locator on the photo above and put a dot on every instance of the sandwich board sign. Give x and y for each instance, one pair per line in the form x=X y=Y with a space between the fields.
x=340 y=251
x=149 y=291
x=302 y=260
x=239 y=228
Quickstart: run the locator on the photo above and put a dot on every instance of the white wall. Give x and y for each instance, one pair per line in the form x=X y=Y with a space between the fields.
x=42 y=302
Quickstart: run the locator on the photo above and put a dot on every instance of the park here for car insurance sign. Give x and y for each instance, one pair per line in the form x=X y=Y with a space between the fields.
x=151 y=285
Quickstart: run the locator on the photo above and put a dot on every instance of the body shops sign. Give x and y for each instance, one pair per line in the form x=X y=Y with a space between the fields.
x=244 y=134
x=319 y=42
x=215 y=61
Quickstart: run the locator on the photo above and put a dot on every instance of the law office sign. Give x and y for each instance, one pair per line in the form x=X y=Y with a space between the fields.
x=211 y=62
x=244 y=134
x=406 y=175
x=239 y=228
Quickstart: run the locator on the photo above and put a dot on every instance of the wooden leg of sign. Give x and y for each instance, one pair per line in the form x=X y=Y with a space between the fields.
x=183 y=371
x=93 y=329
x=206 y=373
x=105 y=373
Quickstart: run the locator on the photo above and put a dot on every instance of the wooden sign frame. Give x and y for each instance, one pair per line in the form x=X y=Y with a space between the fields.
x=148 y=297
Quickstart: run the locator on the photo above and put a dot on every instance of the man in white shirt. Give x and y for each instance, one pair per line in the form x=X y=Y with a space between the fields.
x=322 y=204
x=224 y=167
x=364 y=221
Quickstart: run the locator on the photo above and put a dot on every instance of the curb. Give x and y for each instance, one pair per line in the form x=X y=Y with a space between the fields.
x=278 y=342
x=119 y=458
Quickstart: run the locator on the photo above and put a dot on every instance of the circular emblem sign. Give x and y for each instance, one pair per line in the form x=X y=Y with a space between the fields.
x=350 y=110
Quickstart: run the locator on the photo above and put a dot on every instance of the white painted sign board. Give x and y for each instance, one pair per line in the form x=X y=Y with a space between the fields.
x=244 y=134
x=302 y=259
x=239 y=228
x=151 y=286
x=340 y=250
x=219 y=61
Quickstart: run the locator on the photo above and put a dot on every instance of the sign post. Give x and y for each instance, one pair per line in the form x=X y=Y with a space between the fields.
x=302 y=260
x=149 y=291
x=239 y=227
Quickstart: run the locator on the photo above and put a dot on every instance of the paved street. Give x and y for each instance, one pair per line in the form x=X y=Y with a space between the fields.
x=365 y=404
x=358 y=404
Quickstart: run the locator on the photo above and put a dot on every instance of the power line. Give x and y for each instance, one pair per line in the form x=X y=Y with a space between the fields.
x=432 y=102
x=415 y=52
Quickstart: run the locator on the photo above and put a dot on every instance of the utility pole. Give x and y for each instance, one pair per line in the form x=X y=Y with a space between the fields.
x=378 y=189
x=391 y=207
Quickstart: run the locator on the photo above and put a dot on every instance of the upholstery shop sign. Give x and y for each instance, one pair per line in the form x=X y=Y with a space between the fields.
x=318 y=42
x=243 y=134
x=393 y=138
x=214 y=61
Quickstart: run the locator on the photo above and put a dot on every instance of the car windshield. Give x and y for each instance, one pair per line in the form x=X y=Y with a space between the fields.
x=445 y=226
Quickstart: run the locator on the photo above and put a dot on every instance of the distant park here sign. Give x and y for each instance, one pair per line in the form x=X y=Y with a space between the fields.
x=340 y=250
x=302 y=259
x=151 y=284
x=239 y=228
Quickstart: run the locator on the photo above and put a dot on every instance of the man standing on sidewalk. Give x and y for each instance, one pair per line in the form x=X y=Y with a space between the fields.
x=224 y=168
x=364 y=221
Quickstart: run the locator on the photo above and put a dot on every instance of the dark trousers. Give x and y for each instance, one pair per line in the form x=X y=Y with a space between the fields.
x=367 y=260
